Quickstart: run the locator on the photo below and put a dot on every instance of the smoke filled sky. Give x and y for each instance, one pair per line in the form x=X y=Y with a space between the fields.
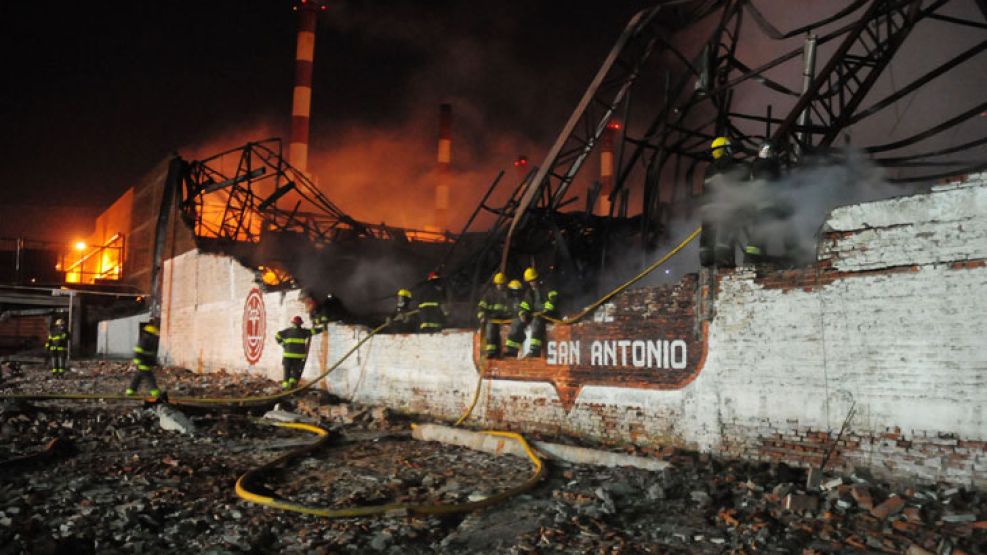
x=98 y=92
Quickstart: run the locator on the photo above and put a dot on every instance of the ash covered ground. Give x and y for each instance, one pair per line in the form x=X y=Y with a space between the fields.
x=116 y=481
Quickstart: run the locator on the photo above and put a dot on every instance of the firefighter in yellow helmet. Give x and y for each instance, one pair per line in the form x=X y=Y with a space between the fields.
x=515 y=335
x=539 y=301
x=400 y=321
x=719 y=235
x=493 y=306
x=146 y=358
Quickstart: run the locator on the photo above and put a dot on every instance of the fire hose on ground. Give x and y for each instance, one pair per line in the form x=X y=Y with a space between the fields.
x=245 y=481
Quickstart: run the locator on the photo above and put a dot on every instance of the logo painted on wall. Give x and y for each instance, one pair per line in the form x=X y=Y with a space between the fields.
x=650 y=341
x=254 y=326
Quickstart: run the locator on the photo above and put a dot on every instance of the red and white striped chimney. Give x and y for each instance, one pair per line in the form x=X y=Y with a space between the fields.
x=444 y=165
x=301 y=106
x=606 y=167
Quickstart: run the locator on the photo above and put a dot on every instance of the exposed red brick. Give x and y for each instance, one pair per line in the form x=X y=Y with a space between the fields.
x=891 y=506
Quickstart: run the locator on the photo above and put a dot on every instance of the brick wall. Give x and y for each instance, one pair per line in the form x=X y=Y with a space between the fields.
x=890 y=320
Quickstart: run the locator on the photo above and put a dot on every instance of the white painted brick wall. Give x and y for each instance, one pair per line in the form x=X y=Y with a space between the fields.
x=905 y=346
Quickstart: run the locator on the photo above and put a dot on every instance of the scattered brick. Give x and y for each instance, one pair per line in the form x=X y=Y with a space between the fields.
x=861 y=494
x=891 y=506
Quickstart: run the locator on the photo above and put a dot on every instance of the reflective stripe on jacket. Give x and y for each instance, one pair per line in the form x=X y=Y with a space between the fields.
x=295 y=340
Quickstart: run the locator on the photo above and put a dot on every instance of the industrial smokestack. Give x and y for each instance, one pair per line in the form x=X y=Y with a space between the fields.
x=301 y=105
x=606 y=168
x=444 y=160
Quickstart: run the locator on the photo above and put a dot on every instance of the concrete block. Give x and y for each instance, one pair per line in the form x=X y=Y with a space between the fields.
x=797 y=502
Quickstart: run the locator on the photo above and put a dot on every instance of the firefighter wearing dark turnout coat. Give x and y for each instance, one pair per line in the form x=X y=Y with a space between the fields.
x=515 y=335
x=493 y=306
x=539 y=301
x=719 y=234
x=57 y=346
x=400 y=320
x=295 y=342
x=431 y=317
x=146 y=358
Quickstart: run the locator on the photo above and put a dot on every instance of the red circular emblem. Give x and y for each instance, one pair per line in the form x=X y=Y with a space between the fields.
x=254 y=326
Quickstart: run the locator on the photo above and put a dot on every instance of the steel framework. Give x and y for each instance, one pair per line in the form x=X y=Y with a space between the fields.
x=663 y=143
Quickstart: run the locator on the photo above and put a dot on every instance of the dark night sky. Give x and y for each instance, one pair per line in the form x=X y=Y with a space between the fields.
x=98 y=92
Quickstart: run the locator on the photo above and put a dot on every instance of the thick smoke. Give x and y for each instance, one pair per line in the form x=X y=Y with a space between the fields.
x=784 y=217
x=788 y=215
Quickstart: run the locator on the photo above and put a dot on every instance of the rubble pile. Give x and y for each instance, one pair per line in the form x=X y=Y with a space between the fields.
x=702 y=505
x=91 y=476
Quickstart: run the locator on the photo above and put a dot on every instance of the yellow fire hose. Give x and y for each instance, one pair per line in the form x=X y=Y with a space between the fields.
x=246 y=480
x=236 y=401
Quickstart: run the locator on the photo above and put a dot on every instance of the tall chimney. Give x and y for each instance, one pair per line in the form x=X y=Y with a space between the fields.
x=301 y=105
x=444 y=160
x=606 y=168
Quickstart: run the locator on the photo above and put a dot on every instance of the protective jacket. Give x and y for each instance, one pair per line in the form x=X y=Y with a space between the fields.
x=495 y=305
x=294 y=341
x=431 y=317
x=58 y=340
x=539 y=297
x=716 y=242
x=146 y=350
x=331 y=309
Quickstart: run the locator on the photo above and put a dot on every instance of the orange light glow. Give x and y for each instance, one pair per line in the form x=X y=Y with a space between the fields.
x=274 y=276
x=88 y=264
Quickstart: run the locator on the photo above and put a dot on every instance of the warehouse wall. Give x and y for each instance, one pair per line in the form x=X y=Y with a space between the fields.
x=889 y=321
x=116 y=338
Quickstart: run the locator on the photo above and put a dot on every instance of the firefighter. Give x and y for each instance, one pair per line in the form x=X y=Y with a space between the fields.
x=515 y=335
x=331 y=309
x=539 y=301
x=431 y=316
x=294 y=341
x=146 y=358
x=765 y=168
x=716 y=243
x=774 y=215
x=493 y=306
x=399 y=320
x=57 y=346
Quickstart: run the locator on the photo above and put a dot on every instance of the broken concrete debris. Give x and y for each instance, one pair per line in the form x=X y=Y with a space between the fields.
x=173 y=420
x=129 y=486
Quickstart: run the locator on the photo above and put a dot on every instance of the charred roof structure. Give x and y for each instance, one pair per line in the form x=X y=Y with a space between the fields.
x=680 y=74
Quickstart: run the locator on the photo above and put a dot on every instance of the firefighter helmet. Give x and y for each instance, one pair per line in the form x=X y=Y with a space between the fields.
x=514 y=285
x=530 y=274
x=432 y=276
x=404 y=293
x=720 y=147
x=152 y=328
x=499 y=278
x=297 y=320
x=59 y=322
x=767 y=150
